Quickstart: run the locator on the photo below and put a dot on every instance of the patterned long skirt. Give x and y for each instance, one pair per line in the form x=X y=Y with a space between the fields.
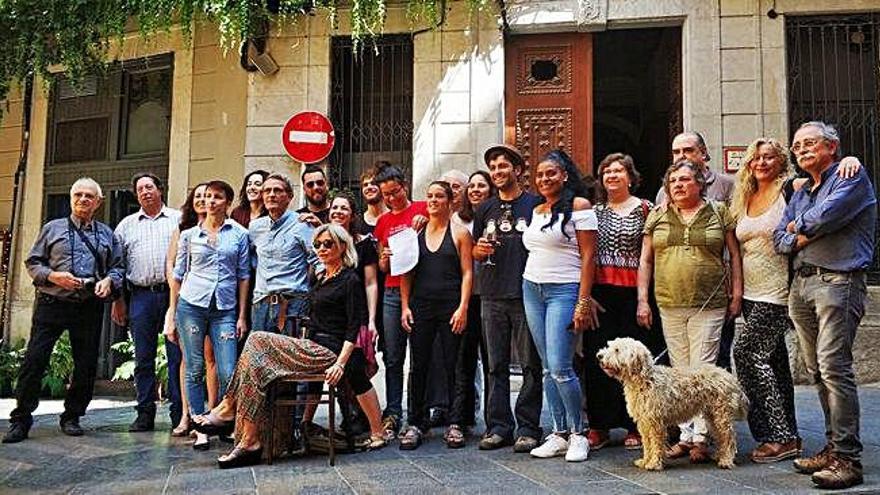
x=267 y=357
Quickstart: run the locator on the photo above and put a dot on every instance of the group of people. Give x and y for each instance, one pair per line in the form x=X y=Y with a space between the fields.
x=538 y=275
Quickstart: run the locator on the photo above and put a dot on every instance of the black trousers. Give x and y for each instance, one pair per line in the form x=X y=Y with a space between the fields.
x=469 y=347
x=431 y=321
x=52 y=317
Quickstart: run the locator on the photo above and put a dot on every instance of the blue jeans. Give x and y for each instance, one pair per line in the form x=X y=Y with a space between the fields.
x=146 y=311
x=826 y=310
x=549 y=311
x=264 y=316
x=193 y=324
x=395 y=352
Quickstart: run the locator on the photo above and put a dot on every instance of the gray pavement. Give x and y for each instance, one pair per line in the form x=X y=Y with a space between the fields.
x=111 y=460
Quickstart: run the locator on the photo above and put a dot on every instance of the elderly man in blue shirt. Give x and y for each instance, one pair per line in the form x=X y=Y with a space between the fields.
x=828 y=227
x=76 y=267
x=283 y=254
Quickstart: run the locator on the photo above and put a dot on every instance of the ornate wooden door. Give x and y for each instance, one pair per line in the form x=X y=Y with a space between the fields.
x=549 y=96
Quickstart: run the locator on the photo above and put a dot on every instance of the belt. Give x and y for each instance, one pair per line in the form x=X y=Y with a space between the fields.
x=282 y=297
x=150 y=288
x=810 y=270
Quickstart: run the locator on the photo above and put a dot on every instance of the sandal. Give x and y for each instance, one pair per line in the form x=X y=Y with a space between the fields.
x=454 y=437
x=632 y=441
x=678 y=450
x=597 y=438
x=411 y=439
x=214 y=425
x=182 y=429
x=376 y=442
x=700 y=453
x=198 y=445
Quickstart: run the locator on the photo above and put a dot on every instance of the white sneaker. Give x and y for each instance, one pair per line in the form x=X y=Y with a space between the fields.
x=553 y=446
x=578 y=448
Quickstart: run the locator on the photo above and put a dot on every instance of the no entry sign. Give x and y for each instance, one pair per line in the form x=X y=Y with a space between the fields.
x=308 y=137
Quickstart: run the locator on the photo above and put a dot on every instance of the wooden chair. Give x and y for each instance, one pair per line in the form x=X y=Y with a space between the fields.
x=277 y=399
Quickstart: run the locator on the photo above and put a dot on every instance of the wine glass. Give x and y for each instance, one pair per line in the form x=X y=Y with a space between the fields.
x=491 y=235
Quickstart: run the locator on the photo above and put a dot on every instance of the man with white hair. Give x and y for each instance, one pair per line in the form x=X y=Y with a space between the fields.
x=829 y=229
x=76 y=265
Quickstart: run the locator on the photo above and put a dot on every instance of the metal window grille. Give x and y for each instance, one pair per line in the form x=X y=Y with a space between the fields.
x=371 y=106
x=833 y=65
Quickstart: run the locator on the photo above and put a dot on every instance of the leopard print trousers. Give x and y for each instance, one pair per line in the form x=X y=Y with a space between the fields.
x=763 y=371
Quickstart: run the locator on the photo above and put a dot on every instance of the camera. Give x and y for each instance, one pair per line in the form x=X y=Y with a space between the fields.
x=88 y=283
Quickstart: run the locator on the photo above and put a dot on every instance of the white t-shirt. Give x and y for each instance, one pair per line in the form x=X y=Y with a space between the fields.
x=553 y=259
x=765 y=272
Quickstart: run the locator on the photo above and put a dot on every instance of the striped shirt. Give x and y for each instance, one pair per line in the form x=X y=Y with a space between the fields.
x=144 y=242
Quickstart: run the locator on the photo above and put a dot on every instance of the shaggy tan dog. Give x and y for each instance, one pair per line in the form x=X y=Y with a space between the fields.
x=658 y=397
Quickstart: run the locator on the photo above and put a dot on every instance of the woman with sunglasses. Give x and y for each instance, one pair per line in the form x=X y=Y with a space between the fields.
x=337 y=312
x=434 y=300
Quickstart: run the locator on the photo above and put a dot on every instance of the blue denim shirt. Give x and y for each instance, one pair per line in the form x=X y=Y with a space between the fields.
x=840 y=217
x=209 y=271
x=283 y=253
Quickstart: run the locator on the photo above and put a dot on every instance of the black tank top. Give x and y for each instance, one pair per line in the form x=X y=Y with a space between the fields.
x=438 y=274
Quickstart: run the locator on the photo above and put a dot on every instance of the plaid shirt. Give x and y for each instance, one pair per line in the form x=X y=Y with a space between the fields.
x=144 y=242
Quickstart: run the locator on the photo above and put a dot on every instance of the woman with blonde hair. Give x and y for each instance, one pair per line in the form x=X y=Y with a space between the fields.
x=337 y=311
x=762 y=366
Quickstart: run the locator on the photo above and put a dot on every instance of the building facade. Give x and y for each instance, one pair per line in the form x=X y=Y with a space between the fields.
x=591 y=76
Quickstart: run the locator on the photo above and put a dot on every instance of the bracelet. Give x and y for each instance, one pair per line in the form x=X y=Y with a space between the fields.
x=341 y=366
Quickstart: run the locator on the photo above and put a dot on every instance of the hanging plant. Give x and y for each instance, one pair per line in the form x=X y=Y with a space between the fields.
x=77 y=34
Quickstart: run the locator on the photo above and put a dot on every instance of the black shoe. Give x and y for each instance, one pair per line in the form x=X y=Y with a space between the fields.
x=17 y=432
x=144 y=422
x=71 y=427
x=240 y=458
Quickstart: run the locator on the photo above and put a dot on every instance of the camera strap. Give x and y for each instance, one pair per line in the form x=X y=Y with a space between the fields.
x=99 y=261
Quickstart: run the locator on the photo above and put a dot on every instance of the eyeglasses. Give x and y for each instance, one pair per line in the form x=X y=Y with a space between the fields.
x=326 y=244
x=808 y=143
x=391 y=194
x=315 y=183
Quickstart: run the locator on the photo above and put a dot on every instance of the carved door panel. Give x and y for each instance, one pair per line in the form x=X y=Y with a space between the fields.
x=549 y=96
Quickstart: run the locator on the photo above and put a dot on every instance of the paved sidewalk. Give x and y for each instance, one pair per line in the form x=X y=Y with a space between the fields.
x=111 y=460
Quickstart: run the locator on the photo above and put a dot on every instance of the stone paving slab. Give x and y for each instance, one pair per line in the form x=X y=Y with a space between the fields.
x=111 y=460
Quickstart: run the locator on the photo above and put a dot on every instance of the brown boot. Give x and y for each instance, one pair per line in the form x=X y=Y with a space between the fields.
x=809 y=465
x=840 y=473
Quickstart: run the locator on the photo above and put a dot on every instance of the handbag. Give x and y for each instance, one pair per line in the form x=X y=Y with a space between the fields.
x=365 y=342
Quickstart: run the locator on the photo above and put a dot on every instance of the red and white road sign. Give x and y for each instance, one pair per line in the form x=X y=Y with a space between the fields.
x=308 y=137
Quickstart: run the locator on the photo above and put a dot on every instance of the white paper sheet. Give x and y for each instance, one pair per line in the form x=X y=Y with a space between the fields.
x=404 y=247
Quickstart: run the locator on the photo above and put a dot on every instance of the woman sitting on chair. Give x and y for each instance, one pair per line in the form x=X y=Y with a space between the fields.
x=338 y=310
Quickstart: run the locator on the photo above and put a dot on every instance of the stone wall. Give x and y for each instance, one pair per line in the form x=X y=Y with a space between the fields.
x=10 y=150
x=458 y=89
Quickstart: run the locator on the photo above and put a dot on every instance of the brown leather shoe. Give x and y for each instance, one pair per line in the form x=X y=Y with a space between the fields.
x=809 y=465
x=840 y=473
x=700 y=453
x=678 y=450
x=774 y=452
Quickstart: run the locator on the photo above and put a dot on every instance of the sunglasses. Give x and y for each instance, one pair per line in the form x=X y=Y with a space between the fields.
x=326 y=244
x=313 y=183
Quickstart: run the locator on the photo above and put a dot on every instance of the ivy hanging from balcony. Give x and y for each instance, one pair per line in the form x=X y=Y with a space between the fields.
x=36 y=35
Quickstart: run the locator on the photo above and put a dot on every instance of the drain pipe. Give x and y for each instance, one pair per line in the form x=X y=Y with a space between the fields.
x=17 y=196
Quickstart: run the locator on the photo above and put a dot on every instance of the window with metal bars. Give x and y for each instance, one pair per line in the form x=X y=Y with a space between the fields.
x=833 y=66
x=370 y=106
